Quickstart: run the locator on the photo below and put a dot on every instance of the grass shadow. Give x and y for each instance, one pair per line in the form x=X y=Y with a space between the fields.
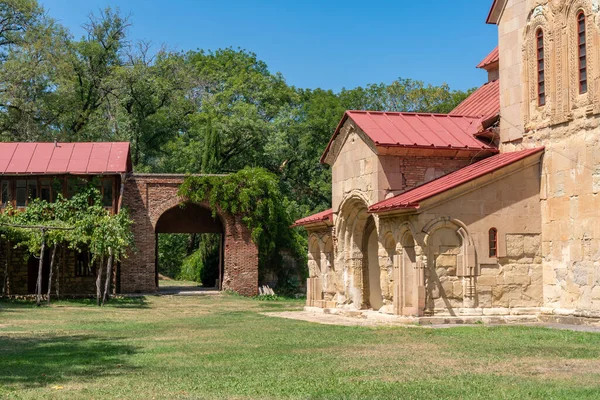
x=116 y=302
x=39 y=361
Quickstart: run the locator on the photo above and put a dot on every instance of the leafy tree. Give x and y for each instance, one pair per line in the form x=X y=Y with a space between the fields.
x=403 y=95
x=16 y=18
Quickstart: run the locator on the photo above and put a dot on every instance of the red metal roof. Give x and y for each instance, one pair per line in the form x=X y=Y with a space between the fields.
x=490 y=59
x=416 y=130
x=76 y=158
x=483 y=103
x=411 y=198
x=323 y=216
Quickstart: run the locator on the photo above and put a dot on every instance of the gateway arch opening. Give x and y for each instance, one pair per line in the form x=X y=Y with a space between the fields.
x=189 y=248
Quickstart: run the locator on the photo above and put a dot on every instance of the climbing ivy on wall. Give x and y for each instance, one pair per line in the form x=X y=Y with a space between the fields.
x=255 y=195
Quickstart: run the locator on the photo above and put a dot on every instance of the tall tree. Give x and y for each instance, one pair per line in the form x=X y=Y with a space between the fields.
x=86 y=78
x=16 y=18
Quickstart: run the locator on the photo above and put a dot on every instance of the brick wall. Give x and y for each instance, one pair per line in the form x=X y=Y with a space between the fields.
x=14 y=272
x=148 y=196
x=404 y=173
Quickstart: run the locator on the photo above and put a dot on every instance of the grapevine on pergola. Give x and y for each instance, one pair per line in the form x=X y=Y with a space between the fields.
x=79 y=223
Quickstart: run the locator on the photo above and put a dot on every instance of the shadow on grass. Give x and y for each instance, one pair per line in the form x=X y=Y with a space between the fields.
x=38 y=361
x=117 y=302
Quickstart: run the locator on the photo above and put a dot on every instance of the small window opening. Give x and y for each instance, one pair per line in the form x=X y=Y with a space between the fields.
x=540 y=68
x=83 y=264
x=493 y=242
x=582 y=53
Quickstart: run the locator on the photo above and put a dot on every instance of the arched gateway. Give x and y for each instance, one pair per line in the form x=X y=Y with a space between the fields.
x=155 y=208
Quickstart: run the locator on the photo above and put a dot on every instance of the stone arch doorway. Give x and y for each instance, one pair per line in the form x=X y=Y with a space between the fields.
x=358 y=254
x=191 y=218
x=410 y=277
x=371 y=269
x=150 y=196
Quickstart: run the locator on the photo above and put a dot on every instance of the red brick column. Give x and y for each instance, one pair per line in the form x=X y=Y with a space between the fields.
x=148 y=196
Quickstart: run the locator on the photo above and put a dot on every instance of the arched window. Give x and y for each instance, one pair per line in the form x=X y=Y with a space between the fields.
x=540 y=67
x=582 y=53
x=493 y=242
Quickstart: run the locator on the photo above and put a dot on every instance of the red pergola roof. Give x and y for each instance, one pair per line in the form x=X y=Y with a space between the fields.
x=416 y=130
x=60 y=158
x=323 y=216
x=411 y=199
x=490 y=59
x=483 y=103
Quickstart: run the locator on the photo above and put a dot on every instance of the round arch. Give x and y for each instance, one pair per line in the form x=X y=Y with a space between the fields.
x=193 y=218
x=152 y=198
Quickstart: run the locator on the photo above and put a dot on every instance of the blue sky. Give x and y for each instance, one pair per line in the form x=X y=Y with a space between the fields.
x=327 y=44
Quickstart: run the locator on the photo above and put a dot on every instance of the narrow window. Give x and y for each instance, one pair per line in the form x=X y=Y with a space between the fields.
x=107 y=193
x=46 y=190
x=582 y=53
x=21 y=186
x=32 y=192
x=5 y=193
x=540 y=68
x=83 y=264
x=57 y=187
x=493 y=242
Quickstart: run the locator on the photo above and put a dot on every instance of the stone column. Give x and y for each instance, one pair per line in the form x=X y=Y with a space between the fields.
x=420 y=297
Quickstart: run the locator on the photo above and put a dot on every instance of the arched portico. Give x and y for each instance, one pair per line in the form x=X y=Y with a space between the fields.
x=358 y=254
x=155 y=207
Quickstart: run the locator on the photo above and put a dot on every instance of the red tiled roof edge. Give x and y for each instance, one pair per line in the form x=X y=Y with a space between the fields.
x=491 y=58
x=466 y=136
x=411 y=199
x=323 y=216
x=30 y=158
x=483 y=103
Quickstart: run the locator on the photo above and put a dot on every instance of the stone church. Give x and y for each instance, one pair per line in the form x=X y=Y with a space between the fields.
x=490 y=210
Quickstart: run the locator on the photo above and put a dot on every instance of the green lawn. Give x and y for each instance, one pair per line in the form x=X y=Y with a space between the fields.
x=222 y=347
x=167 y=283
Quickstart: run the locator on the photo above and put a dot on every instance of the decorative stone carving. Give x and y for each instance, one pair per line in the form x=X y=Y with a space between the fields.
x=534 y=114
x=557 y=5
x=587 y=99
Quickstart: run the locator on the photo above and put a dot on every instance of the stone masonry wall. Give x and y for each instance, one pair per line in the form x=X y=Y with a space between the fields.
x=568 y=126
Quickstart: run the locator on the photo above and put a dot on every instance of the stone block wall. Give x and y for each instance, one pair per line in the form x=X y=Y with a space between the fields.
x=568 y=126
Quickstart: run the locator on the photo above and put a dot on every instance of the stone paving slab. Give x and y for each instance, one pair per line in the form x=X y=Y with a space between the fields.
x=333 y=319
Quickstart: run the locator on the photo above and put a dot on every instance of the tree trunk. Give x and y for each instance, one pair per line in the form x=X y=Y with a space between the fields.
x=99 y=281
x=38 y=286
x=5 y=280
x=108 y=276
x=51 y=268
x=58 y=265
x=191 y=244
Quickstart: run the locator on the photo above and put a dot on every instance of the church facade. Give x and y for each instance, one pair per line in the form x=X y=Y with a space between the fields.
x=492 y=209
